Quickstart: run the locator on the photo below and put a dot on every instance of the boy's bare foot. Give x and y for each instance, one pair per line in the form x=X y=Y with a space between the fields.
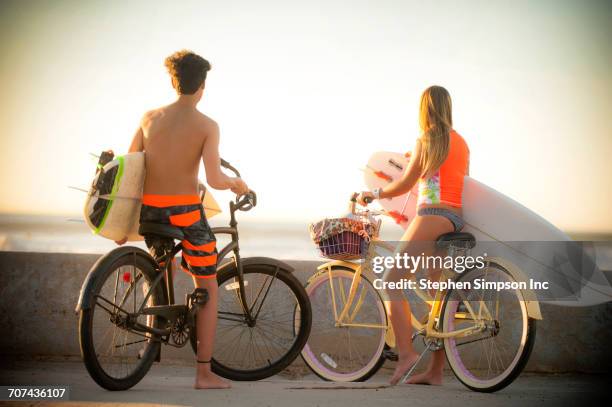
x=209 y=380
x=428 y=377
x=403 y=365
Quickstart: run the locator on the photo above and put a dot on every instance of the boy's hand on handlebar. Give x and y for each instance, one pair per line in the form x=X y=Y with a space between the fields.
x=239 y=187
x=364 y=198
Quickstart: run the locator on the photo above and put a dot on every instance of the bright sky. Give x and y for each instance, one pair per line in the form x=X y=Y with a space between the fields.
x=305 y=91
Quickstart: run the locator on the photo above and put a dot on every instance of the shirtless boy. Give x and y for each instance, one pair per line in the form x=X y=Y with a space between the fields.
x=174 y=139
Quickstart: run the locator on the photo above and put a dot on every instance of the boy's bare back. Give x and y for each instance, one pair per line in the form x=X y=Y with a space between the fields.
x=174 y=139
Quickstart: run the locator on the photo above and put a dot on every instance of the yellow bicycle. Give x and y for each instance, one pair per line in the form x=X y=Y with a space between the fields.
x=487 y=335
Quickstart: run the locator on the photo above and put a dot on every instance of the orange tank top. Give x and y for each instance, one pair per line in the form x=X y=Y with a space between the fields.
x=445 y=186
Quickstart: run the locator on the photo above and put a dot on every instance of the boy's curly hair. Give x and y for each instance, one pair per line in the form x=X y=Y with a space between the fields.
x=188 y=71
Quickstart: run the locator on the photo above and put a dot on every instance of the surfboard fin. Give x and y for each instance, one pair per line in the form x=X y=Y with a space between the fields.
x=398 y=217
x=75 y=220
x=78 y=189
x=380 y=174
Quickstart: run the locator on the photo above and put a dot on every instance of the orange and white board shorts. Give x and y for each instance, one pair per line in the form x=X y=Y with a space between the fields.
x=186 y=213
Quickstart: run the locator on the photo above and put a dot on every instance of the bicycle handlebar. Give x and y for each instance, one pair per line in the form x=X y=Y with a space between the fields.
x=354 y=201
x=230 y=167
x=367 y=199
x=244 y=202
x=367 y=211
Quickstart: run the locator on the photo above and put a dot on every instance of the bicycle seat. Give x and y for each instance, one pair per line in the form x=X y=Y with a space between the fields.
x=465 y=239
x=161 y=230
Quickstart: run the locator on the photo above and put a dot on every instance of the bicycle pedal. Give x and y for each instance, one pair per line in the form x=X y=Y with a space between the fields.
x=390 y=355
x=199 y=296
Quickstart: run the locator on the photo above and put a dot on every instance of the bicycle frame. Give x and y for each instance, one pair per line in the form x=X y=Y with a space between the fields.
x=344 y=316
x=428 y=328
x=170 y=311
x=232 y=246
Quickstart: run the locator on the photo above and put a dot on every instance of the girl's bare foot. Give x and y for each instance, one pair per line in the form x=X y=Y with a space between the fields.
x=209 y=380
x=403 y=366
x=428 y=377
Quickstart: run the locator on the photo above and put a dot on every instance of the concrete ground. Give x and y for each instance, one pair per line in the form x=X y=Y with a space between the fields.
x=172 y=386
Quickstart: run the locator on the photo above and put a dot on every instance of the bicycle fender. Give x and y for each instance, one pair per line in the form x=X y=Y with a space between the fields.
x=85 y=298
x=250 y=261
x=342 y=263
x=531 y=299
x=326 y=266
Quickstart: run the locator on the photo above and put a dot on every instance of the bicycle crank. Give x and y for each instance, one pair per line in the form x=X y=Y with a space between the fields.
x=198 y=298
x=433 y=344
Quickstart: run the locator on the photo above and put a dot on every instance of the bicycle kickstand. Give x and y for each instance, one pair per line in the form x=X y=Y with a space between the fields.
x=409 y=372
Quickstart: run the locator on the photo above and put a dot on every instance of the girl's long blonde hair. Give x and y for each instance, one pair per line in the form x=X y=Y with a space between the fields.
x=436 y=122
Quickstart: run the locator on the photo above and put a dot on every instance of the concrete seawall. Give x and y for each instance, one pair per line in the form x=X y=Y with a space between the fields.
x=39 y=291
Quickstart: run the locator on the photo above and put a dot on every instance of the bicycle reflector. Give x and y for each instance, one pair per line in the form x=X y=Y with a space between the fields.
x=127 y=277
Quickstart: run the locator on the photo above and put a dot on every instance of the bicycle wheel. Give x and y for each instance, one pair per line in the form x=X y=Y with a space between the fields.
x=345 y=353
x=116 y=357
x=489 y=360
x=253 y=352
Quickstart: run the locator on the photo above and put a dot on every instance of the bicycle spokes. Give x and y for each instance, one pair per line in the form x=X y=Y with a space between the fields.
x=252 y=345
x=348 y=333
x=493 y=349
x=117 y=344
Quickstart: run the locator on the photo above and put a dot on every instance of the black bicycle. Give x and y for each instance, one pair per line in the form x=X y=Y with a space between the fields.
x=127 y=309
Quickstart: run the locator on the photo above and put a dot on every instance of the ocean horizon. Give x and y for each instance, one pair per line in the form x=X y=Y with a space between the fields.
x=278 y=239
x=70 y=234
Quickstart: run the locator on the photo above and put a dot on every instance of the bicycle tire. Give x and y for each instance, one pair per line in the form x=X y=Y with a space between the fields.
x=104 y=267
x=380 y=360
x=298 y=291
x=522 y=360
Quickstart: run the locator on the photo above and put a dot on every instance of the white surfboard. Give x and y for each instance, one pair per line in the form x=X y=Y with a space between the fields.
x=493 y=217
x=489 y=215
x=112 y=207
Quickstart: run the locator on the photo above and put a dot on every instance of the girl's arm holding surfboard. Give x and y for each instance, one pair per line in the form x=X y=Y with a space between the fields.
x=404 y=184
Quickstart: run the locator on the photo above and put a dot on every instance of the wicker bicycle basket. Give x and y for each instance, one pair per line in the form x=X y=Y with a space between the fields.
x=342 y=238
